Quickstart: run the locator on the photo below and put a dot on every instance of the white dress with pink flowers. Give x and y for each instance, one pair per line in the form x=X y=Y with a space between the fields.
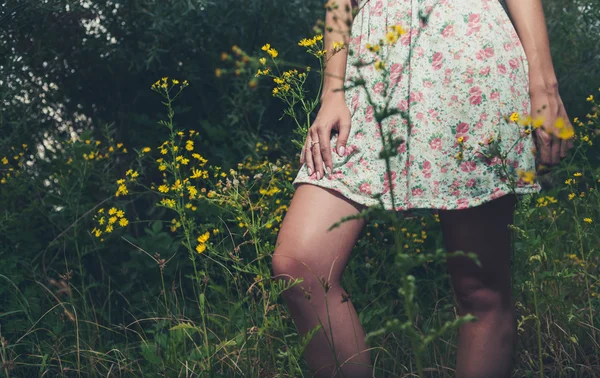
x=465 y=72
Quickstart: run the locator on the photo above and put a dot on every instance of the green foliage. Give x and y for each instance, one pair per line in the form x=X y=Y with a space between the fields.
x=181 y=283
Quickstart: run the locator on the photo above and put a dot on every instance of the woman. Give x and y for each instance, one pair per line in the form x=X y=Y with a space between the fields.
x=456 y=74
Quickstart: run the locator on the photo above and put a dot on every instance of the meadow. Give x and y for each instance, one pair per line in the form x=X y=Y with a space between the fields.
x=150 y=255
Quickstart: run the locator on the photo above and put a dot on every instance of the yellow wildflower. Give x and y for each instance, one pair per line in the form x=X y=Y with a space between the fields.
x=588 y=220
x=204 y=237
x=200 y=248
x=146 y=149
x=163 y=188
x=123 y=222
x=527 y=177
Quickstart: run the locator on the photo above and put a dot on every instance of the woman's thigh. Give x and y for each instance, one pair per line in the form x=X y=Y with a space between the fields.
x=483 y=230
x=304 y=245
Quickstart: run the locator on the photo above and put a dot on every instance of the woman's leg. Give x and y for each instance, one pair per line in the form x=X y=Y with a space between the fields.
x=485 y=347
x=304 y=239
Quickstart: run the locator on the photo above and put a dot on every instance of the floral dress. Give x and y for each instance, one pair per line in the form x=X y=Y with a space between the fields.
x=458 y=77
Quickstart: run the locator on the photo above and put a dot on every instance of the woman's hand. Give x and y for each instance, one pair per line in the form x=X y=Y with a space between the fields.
x=552 y=149
x=333 y=115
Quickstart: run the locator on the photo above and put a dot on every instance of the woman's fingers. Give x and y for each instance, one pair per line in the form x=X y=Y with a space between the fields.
x=544 y=143
x=308 y=155
x=325 y=147
x=316 y=153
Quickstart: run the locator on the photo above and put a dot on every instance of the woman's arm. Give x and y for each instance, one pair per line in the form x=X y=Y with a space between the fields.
x=530 y=23
x=338 y=18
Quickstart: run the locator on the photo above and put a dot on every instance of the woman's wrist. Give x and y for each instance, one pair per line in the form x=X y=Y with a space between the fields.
x=331 y=92
x=542 y=83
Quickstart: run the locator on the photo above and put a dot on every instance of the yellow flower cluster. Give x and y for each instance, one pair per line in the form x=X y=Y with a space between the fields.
x=202 y=239
x=527 y=176
x=288 y=80
x=544 y=201
x=7 y=173
x=107 y=220
x=162 y=85
x=122 y=190
x=561 y=129
x=305 y=42
x=271 y=51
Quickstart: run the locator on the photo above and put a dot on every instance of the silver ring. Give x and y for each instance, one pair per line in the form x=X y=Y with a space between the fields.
x=312 y=144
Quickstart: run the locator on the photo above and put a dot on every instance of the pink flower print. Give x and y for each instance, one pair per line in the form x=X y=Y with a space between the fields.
x=437 y=61
x=359 y=136
x=475 y=94
x=350 y=149
x=420 y=116
x=427 y=84
x=462 y=203
x=494 y=95
x=354 y=102
x=444 y=170
x=501 y=69
x=508 y=46
x=485 y=70
x=435 y=144
x=497 y=193
x=401 y=148
x=462 y=128
x=386 y=182
x=369 y=115
x=455 y=192
x=495 y=161
x=471 y=183
x=519 y=148
x=335 y=175
x=474 y=18
x=427 y=174
x=469 y=80
x=378 y=88
x=365 y=188
x=350 y=164
x=468 y=166
x=377 y=9
x=426 y=165
x=416 y=96
x=448 y=31
x=419 y=50
x=478 y=125
x=513 y=63
x=403 y=105
x=395 y=73
x=488 y=52
x=416 y=192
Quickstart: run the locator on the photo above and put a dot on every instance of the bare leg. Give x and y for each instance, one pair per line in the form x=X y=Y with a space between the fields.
x=304 y=238
x=486 y=347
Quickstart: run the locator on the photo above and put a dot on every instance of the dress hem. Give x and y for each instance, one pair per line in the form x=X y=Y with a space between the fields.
x=424 y=205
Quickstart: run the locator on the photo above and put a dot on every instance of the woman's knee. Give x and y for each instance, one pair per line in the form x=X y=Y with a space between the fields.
x=477 y=295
